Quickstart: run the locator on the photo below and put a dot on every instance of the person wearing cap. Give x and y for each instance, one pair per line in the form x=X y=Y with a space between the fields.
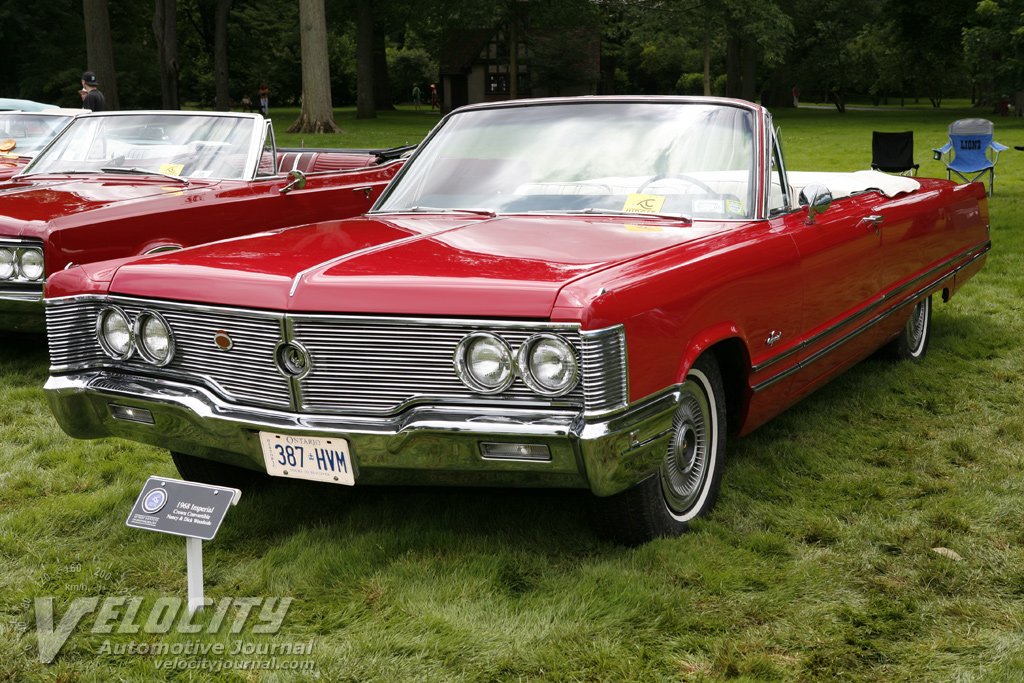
x=93 y=98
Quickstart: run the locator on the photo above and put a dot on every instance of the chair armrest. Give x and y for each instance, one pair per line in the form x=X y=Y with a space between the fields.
x=940 y=152
x=998 y=147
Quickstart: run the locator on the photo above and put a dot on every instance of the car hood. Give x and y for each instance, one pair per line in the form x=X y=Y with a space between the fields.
x=29 y=206
x=505 y=266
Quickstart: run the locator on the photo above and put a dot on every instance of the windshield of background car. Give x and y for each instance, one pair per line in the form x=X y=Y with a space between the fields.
x=694 y=159
x=29 y=132
x=186 y=146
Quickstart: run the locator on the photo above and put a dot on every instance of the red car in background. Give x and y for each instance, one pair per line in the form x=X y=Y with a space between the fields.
x=24 y=134
x=118 y=184
x=583 y=293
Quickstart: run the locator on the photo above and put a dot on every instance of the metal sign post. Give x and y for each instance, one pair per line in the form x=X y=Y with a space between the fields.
x=184 y=508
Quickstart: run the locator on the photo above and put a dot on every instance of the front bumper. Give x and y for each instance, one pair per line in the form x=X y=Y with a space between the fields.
x=421 y=446
x=21 y=310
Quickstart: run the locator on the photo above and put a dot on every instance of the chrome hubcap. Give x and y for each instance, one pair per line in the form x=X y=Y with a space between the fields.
x=917 y=326
x=685 y=469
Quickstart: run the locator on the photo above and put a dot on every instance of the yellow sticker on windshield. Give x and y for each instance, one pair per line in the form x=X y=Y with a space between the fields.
x=171 y=169
x=644 y=228
x=733 y=206
x=643 y=203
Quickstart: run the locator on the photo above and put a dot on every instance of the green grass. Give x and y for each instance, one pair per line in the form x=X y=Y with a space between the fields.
x=817 y=565
x=397 y=128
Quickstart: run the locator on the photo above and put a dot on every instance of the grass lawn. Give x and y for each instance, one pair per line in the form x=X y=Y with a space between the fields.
x=390 y=129
x=819 y=563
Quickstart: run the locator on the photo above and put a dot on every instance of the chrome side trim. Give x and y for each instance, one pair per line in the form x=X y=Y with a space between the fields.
x=905 y=301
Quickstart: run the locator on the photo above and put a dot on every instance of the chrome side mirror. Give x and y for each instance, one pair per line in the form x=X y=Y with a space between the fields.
x=298 y=181
x=815 y=199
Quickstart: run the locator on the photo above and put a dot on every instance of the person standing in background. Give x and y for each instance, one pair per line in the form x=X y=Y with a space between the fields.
x=264 y=99
x=93 y=98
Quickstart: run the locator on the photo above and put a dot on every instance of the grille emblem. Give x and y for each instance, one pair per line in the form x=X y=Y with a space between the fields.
x=223 y=340
x=293 y=360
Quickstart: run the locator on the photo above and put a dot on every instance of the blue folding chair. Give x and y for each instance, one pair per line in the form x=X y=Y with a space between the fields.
x=967 y=152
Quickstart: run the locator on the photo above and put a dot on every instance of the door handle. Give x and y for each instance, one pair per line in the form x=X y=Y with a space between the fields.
x=366 y=190
x=873 y=222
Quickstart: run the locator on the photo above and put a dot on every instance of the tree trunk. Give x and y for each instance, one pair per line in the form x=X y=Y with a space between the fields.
x=165 y=28
x=513 y=59
x=365 y=108
x=749 y=87
x=707 y=58
x=381 y=80
x=733 y=67
x=99 y=49
x=220 y=56
x=316 y=116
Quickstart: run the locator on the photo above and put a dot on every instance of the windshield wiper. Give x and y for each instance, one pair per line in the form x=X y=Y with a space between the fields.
x=67 y=171
x=613 y=212
x=434 y=209
x=135 y=170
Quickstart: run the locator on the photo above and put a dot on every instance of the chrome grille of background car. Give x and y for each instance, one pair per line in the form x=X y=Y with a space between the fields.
x=361 y=365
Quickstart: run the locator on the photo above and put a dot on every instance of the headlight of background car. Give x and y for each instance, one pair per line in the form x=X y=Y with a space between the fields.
x=547 y=363
x=153 y=338
x=483 y=362
x=114 y=333
x=32 y=264
x=7 y=264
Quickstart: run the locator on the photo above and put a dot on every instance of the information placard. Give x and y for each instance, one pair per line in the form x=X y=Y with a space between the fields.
x=182 y=508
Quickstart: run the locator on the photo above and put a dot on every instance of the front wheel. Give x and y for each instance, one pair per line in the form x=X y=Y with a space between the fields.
x=687 y=482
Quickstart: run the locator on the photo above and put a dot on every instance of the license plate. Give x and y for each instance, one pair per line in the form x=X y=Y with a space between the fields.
x=308 y=457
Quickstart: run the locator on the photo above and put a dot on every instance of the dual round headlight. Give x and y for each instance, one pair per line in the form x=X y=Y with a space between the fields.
x=545 y=362
x=150 y=335
x=21 y=264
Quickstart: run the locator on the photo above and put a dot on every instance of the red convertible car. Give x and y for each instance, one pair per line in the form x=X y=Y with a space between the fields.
x=129 y=183
x=589 y=293
x=24 y=134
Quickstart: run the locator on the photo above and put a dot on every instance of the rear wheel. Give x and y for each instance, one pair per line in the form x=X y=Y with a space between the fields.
x=214 y=473
x=687 y=482
x=912 y=344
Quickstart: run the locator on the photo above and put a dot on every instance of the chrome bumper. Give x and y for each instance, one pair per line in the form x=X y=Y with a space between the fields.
x=421 y=446
x=22 y=311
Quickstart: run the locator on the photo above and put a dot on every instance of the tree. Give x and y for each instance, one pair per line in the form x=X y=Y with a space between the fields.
x=165 y=28
x=994 y=49
x=220 y=56
x=316 y=116
x=99 y=49
x=365 y=102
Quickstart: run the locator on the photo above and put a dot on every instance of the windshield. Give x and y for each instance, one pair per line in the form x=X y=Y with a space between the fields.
x=194 y=146
x=29 y=132
x=690 y=159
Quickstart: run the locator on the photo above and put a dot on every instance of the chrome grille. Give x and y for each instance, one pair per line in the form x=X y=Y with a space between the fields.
x=363 y=365
x=247 y=374
x=360 y=365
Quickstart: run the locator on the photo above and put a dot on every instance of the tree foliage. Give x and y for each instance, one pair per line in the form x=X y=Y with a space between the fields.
x=829 y=49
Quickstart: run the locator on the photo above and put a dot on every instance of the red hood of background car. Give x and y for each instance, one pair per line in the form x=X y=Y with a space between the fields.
x=507 y=266
x=11 y=165
x=28 y=206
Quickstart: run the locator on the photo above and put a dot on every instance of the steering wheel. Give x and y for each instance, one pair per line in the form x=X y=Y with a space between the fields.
x=677 y=176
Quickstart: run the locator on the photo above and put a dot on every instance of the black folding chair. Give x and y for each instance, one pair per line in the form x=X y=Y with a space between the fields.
x=893 y=153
